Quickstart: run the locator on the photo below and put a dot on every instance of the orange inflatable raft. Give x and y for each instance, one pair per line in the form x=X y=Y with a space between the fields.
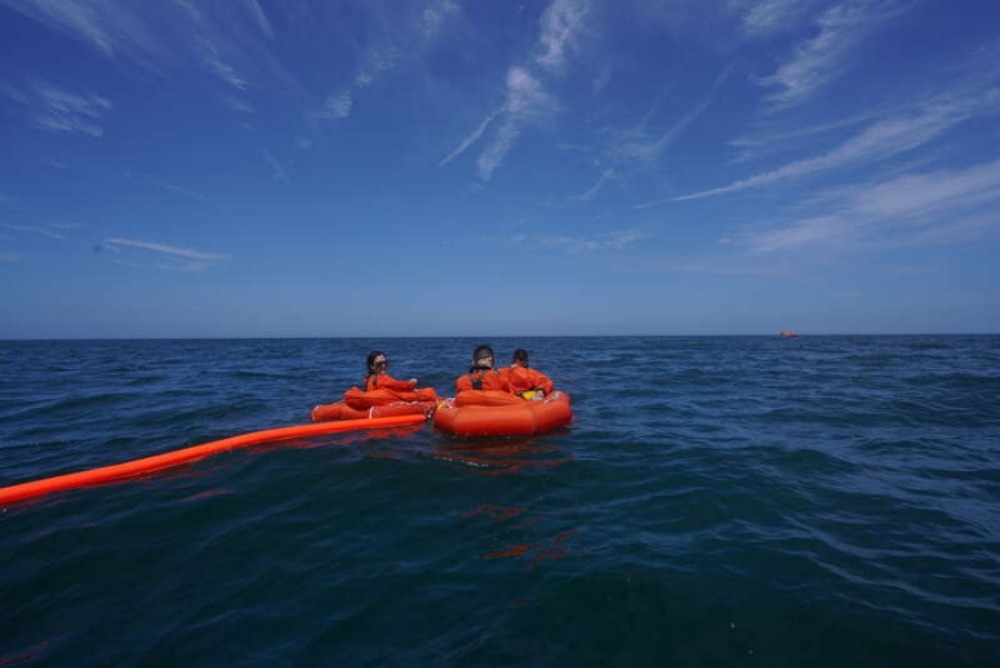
x=477 y=413
x=359 y=404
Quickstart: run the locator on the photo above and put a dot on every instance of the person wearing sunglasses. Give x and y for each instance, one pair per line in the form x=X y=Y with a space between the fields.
x=378 y=377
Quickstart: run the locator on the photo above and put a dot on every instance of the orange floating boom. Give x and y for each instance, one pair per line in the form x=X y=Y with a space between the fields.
x=138 y=467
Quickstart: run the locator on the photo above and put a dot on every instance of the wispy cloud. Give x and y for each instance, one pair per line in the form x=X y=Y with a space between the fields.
x=262 y=21
x=435 y=17
x=337 y=105
x=527 y=101
x=405 y=40
x=615 y=240
x=637 y=145
x=768 y=17
x=471 y=139
x=378 y=59
x=222 y=37
x=86 y=21
x=940 y=206
x=222 y=69
x=55 y=109
x=561 y=25
x=277 y=171
x=763 y=141
x=171 y=187
x=817 y=61
x=9 y=256
x=606 y=176
x=34 y=230
x=191 y=260
x=238 y=104
x=882 y=139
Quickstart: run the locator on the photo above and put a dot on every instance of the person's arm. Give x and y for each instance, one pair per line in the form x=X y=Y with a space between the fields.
x=387 y=382
x=542 y=382
x=504 y=375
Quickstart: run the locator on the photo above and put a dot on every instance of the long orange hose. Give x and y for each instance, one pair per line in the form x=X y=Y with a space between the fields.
x=136 y=467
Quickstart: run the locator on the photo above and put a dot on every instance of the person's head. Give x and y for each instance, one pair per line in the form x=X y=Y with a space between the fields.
x=377 y=362
x=482 y=356
x=519 y=358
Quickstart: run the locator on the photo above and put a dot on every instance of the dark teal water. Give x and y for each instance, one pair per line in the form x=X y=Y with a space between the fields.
x=820 y=501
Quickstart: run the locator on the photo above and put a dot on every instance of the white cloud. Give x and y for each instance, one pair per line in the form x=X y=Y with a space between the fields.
x=561 y=25
x=637 y=145
x=171 y=187
x=377 y=60
x=606 y=176
x=526 y=98
x=768 y=17
x=471 y=139
x=407 y=37
x=527 y=101
x=436 y=16
x=119 y=244
x=494 y=154
x=277 y=171
x=940 y=206
x=55 y=109
x=338 y=105
x=920 y=194
x=880 y=140
x=824 y=57
x=616 y=240
x=156 y=36
x=33 y=229
x=804 y=232
x=222 y=69
x=86 y=21
x=258 y=14
x=239 y=104
x=762 y=141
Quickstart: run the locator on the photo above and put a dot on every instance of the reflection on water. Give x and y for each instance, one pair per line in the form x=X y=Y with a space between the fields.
x=549 y=549
x=538 y=550
x=30 y=654
x=494 y=511
x=503 y=457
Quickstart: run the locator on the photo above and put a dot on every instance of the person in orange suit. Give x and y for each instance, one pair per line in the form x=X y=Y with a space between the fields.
x=378 y=377
x=482 y=375
x=524 y=381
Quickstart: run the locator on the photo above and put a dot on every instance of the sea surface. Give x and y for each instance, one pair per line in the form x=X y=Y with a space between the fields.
x=717 y=501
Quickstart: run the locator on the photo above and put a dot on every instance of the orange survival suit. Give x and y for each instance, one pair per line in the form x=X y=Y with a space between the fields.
x=521 y=379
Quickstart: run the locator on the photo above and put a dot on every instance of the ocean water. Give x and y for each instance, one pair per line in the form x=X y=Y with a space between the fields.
x=717 y=501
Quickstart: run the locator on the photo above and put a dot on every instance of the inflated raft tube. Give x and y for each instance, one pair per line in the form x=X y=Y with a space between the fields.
x=341 y=411
x=139 y=467
x=359 y=405
x=478 y=413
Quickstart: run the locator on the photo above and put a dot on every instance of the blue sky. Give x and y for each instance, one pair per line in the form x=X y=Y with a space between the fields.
x=445 y=167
